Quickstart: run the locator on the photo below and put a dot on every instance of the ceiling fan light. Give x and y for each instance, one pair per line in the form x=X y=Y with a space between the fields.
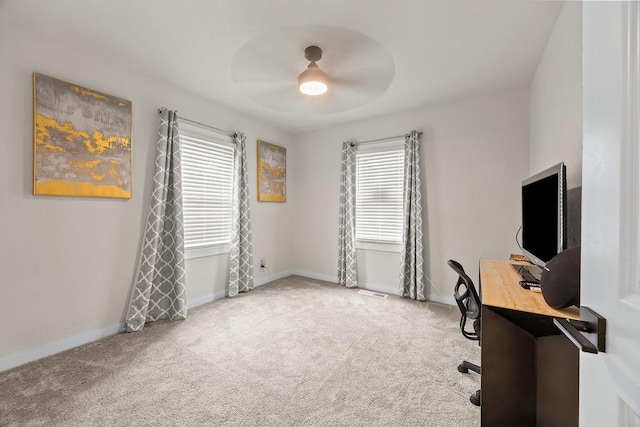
x=312 y=81
x=313 y=88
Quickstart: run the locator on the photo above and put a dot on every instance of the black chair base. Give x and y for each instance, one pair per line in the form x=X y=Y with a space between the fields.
x=465 y=367
x=475 y=398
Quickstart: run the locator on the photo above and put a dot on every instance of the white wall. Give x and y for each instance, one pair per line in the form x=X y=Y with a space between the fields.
x=556 y=99
x=474 y=156
x=67 y=264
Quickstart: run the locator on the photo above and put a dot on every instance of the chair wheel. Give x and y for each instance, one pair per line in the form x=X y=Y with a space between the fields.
x=461 y=368
x=475 y=398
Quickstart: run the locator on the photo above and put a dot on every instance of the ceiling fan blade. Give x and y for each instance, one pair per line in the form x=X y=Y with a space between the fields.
x=376 y=74
x=358 y=58
x=258 y=64
x=365 y=89
x=283 y=99
x=262 y=88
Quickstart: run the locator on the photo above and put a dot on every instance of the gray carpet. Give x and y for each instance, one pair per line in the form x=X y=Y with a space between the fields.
x=295 y=352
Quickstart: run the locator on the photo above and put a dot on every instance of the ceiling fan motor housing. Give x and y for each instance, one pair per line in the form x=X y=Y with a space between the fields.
x=313 y=53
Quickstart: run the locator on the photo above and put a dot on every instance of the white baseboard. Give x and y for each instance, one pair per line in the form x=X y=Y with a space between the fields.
x=372 y=286
x=317 y=276
x=442 y=299
x=223 y=294
x=206 y=299
x=30 y=355
x=266 y=278
x=334 y=279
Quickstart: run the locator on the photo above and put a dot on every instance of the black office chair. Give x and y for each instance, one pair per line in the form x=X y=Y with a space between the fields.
x=470 y=308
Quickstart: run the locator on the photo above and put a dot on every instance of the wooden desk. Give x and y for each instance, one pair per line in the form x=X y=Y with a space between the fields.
x=529 y=369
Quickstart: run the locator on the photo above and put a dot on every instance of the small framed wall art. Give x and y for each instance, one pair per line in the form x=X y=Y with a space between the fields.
x=272 y=172
x=82 y=141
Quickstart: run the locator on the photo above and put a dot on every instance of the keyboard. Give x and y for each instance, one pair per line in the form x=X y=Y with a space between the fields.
x=529 y=284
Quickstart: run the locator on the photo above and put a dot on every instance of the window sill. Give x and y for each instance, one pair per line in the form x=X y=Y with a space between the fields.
x=207 y=251
x=378 y=246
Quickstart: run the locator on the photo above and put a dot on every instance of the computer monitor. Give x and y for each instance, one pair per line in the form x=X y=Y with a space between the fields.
x=543 y=216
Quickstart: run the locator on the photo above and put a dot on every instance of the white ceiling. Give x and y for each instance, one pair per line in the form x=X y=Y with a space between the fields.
x=441 y=49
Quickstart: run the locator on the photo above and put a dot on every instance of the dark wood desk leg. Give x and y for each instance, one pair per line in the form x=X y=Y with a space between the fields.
x=508 y=373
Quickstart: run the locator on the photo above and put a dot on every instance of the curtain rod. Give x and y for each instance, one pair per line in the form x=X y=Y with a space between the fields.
x=215 y=129
x=390 y=138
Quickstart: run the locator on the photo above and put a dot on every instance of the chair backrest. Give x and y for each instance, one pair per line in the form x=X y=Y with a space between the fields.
x=467 y=299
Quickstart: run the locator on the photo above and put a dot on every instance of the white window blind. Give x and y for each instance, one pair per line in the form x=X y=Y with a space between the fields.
x=207 y=183
x=379 y=180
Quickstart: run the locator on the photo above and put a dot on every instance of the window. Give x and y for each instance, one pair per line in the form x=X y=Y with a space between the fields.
x=379 y=181
x=207 y=183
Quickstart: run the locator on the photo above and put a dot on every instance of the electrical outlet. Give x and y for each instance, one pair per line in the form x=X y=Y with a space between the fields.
x=263 y=263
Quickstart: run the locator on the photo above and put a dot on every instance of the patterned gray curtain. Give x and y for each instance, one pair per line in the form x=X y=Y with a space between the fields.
x=159 y=291
x=411 y=260
x=347 y=271
x=241 y=256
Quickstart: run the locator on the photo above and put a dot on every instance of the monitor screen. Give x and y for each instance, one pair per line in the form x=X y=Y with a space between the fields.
x=543 y=216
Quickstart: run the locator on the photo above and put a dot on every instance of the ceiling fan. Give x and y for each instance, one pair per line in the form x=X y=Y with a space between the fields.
x=270 y=69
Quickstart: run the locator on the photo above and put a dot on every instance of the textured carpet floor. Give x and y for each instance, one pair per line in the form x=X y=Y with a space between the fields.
x=295 y=352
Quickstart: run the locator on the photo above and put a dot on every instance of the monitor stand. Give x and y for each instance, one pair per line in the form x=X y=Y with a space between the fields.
x=529 y=273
